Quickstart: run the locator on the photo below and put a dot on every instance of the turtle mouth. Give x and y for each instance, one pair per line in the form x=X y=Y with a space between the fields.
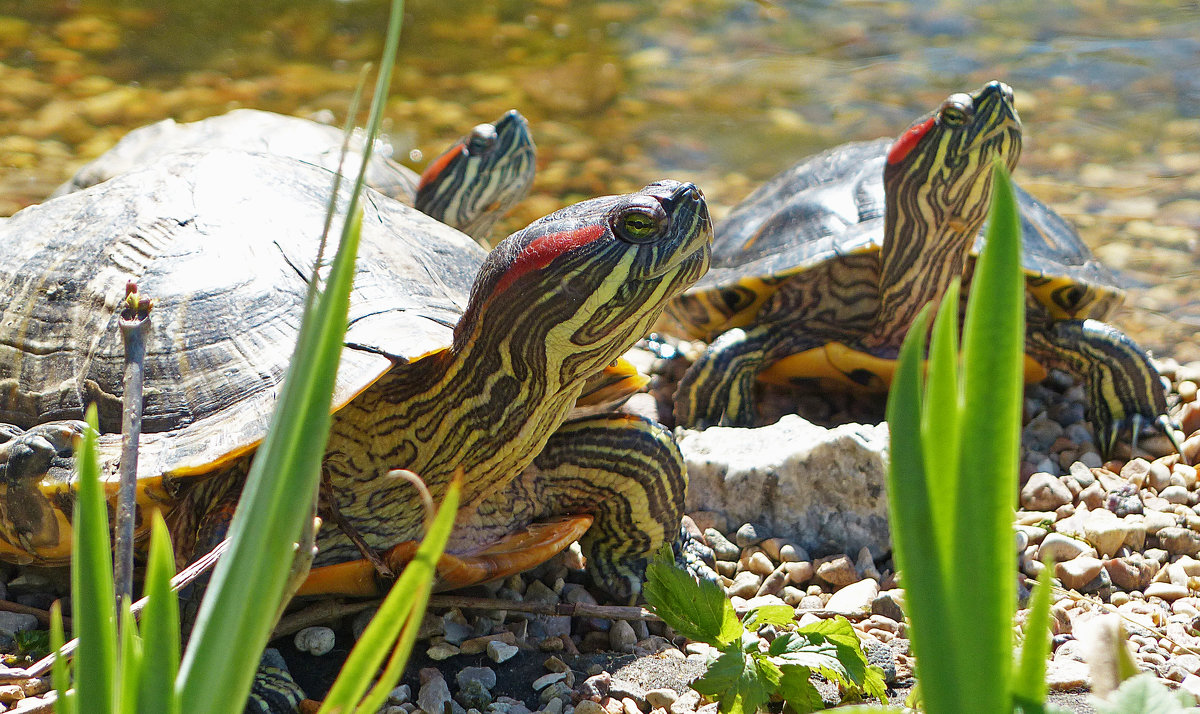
x=688 y=213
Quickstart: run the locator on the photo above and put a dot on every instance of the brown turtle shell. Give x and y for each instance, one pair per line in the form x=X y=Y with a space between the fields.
x=224 y=241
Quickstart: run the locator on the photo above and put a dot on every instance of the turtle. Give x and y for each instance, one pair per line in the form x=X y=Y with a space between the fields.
x=469 y=186
x=450 y=362
x=820 y=272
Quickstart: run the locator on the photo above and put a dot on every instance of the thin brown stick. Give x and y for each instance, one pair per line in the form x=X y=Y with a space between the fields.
x=133 y=323
x=182 y=578
x=43 y=616
x=319 y=612
x=334 y=609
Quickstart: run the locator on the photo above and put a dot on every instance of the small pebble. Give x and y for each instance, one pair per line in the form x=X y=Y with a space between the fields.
x=750 y=534
x=316 y=641
x=434 y=694
x=498 y=651
x=838 y=571
x=661 y=698
x=1044 y=492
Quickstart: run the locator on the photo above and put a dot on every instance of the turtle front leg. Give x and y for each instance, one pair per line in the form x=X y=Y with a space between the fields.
x=623 y=470
x=718 y=389
x=27 y=518
x=1124 y=389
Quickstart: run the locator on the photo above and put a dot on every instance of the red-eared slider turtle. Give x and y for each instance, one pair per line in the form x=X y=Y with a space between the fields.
x=446 y=366
x=819 y=273
x=469 y=186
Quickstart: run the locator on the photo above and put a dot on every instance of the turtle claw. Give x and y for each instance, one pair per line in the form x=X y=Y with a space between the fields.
x=1108 y=432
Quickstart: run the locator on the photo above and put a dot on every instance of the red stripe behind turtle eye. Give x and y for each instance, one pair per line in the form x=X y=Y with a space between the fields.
x=438 y=165
x=540 y=252
x=908 y=140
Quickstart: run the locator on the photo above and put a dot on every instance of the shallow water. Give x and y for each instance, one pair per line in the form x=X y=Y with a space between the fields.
x=721 y=92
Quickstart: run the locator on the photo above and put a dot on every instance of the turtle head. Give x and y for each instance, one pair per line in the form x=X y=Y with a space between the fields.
x=941 y=166
x=577 y=288
x=937 y=184
x=480 y=177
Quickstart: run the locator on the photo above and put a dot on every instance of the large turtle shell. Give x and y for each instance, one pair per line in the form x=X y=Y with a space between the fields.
x=832 y=205
x=256 y=131
x=224 y=242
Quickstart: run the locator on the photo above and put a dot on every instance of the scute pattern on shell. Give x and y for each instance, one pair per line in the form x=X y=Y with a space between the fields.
x=832 y=205
x=224 y=241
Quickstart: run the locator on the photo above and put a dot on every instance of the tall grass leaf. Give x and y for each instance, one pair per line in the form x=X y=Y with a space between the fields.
x=130 y=669
x=910 y=510
x=941 y=413
x=1029 y=684
x=993 y=346
x=406 y=601
x=92 y=600
x=277 y=496
x=160 y=626
x=427 y=554
x=59 y=674
x=282 y=482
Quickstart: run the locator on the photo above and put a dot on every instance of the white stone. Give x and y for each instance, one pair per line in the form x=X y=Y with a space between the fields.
x=315 y=641
x=823 y=489
x=498 y=651
x=1105 y=531
x=1062 y=548
x=854 y=599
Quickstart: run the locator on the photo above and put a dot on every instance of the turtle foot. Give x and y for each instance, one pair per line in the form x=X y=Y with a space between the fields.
x=514 y=553
x=27 y=519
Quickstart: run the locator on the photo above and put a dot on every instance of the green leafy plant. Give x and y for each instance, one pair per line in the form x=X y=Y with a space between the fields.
x=141 y=671
x=952 y=483
x=745 y=677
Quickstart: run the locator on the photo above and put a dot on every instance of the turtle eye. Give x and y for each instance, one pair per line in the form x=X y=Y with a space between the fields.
x=639 y=223
x=956 y=110
x=482 y=139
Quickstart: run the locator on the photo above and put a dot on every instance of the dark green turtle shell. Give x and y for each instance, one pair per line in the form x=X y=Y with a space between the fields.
x=224 y=242
x=833 y=205
x=251 y=130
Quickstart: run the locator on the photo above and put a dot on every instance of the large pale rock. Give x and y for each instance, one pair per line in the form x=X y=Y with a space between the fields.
x=820 y=488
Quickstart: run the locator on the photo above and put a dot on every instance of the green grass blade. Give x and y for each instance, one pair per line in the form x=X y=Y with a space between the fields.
x=941 y=414
x=65 y=704
x=93 y=611
x=282 y=482
x=130 y=669
x=1029 y=685
x=276 y=499
x=914 y=533
x=160 y=627
x=984 y=561
x=406 y=601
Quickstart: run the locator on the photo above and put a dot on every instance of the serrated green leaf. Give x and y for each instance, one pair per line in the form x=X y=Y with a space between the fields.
x=819 y=656
x=698 y=611
x=836 y=638
x=783 y=643
x=798 y=693
x=1143 y=694
x=742 y=683
x=778 y=615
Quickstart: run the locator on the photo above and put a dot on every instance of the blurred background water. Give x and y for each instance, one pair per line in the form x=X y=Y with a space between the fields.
x=721 y=92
